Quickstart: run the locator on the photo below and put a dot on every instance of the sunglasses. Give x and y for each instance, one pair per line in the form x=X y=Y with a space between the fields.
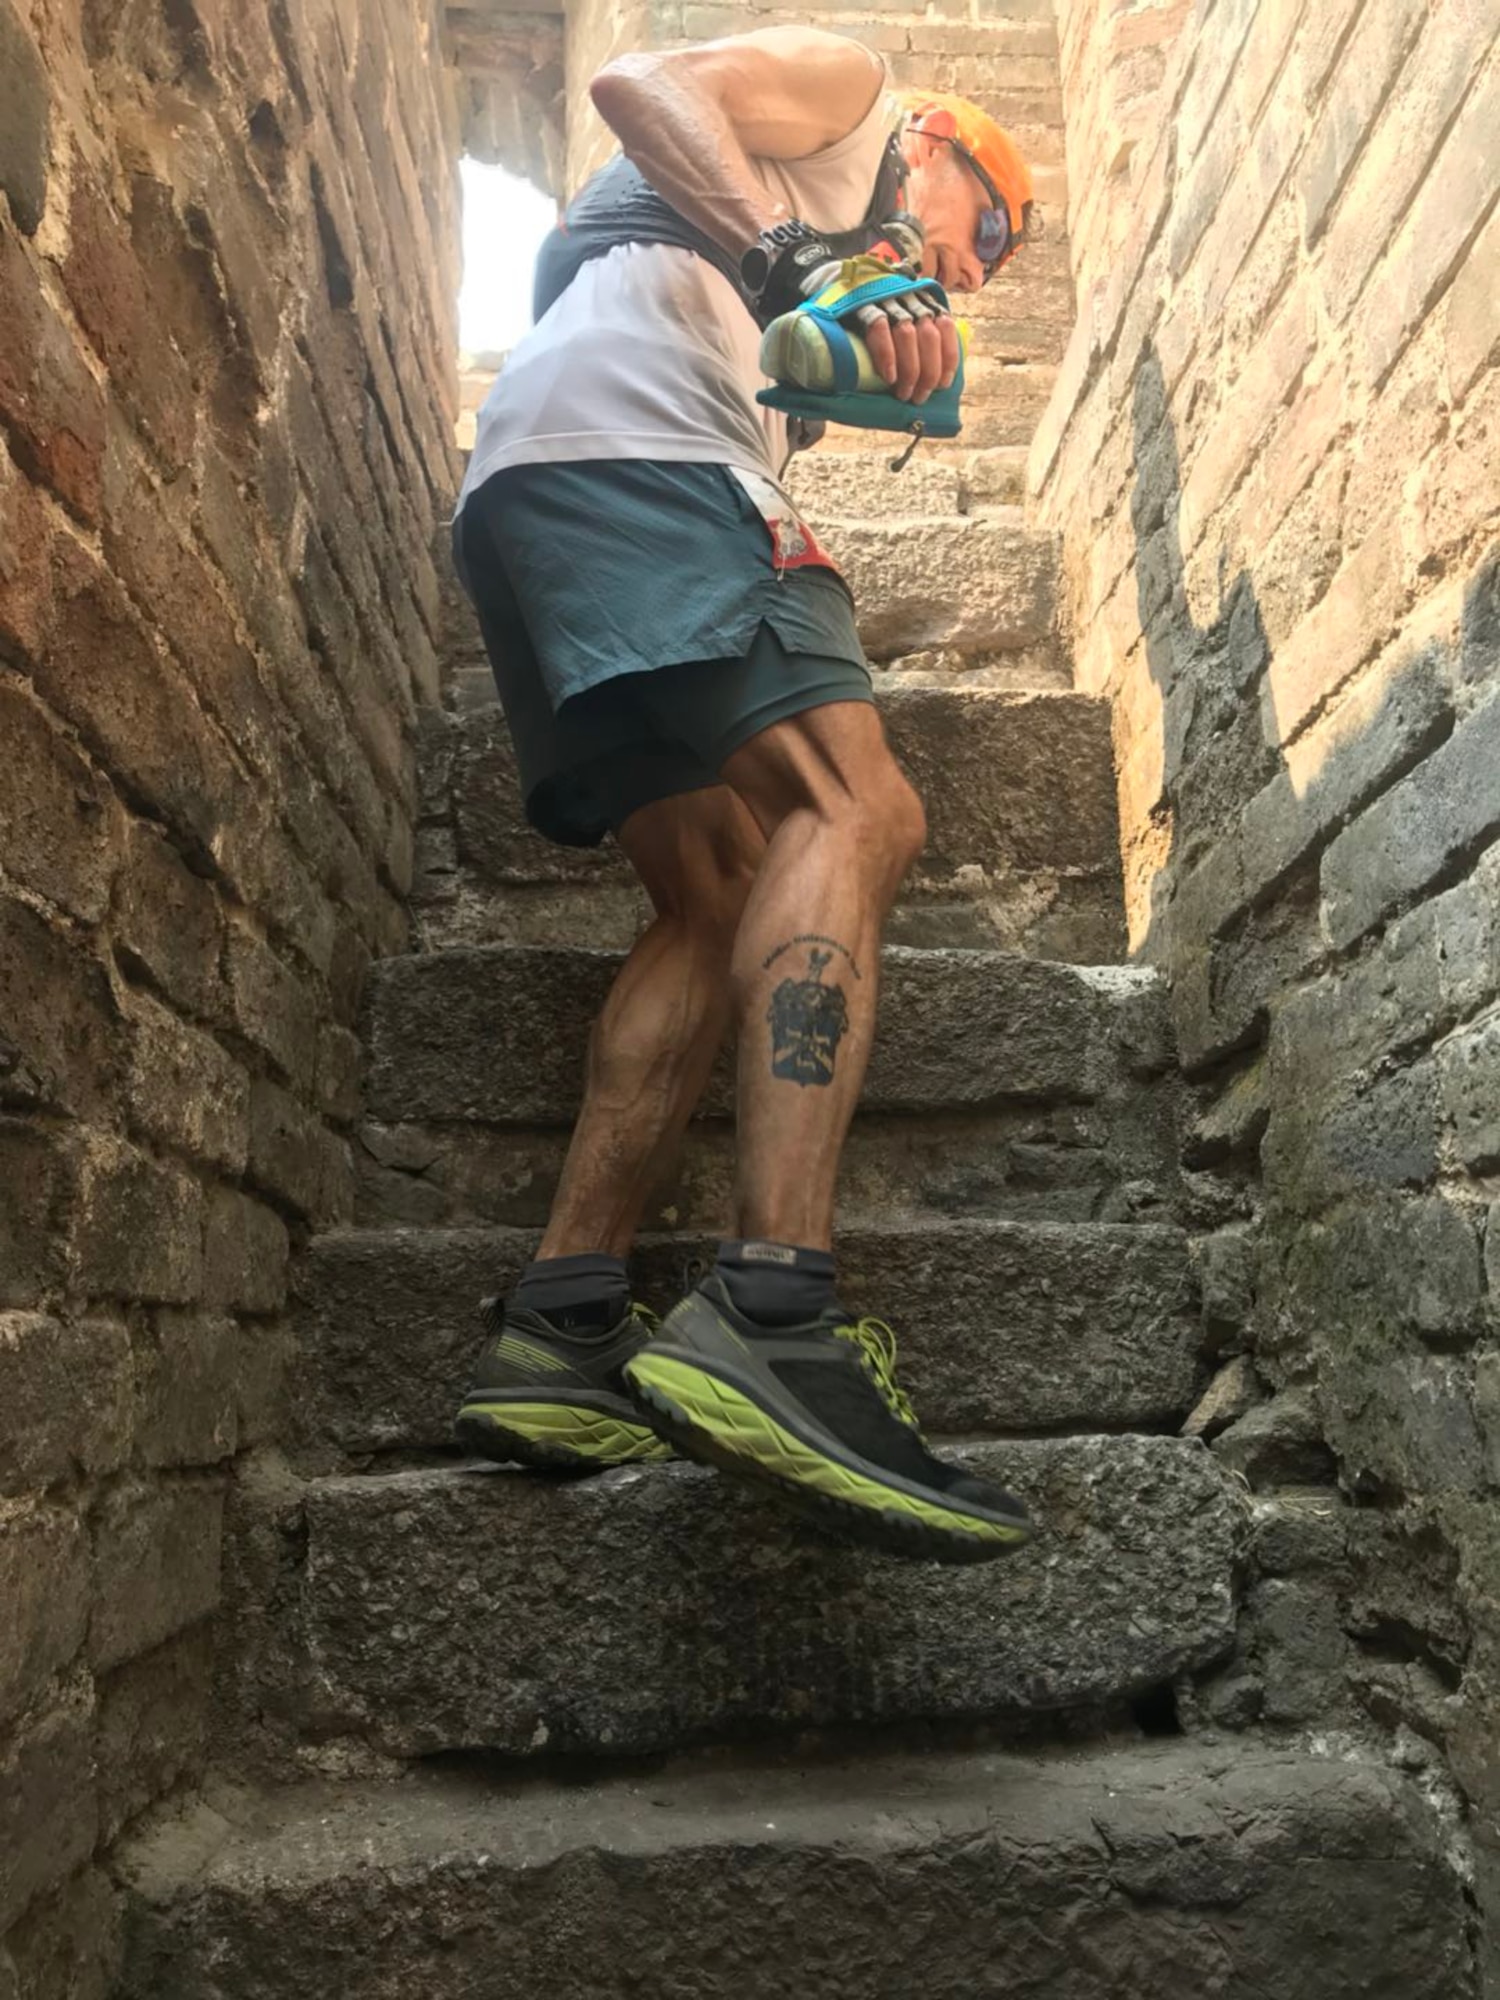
x=994 y=240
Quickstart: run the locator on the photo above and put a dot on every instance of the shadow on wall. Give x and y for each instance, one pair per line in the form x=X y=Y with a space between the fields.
x=1242 y=900
x=1337 y=899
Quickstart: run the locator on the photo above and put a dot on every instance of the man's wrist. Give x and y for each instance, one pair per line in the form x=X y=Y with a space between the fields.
x=760 y=259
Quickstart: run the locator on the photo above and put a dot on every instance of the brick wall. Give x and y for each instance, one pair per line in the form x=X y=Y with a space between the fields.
x=1272 y=454
x=227 y=268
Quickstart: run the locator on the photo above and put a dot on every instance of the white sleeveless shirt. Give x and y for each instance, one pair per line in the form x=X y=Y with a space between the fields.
x=651 y=353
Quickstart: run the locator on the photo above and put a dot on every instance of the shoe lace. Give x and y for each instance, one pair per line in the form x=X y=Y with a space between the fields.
x=877 y=1343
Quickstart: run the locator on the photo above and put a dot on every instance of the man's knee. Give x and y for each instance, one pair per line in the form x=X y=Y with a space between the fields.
x=903 y=817
x=835 y=763
x=697 y=856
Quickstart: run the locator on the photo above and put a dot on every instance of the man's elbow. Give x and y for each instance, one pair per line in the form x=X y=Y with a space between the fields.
x=619 y=85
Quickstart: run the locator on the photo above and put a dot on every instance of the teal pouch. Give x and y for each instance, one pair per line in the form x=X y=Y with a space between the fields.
x=815 y=336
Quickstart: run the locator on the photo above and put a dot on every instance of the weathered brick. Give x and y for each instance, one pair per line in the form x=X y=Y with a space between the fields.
x=1198 y=194
x=29 y=532
x=245 y=1253
x=1430 y=85
x=166 y=921
x=66 y=1399
x=1353 y=616
x=153 y=1726
x=184 y=1090
x=104 y=282
x=1470 y=1068
x=340 y=1073
x=69 y=1942
x=59 y=830
x=60 y=1033
x=1460 y=185
x=1256 y=185
x=49 y=1812
x=1380 y=728
x=25 y=123
x=1251 y=403
x=1447 y=806
x=273 y=1008
x=50 y=405
x=148 y=544
x=1465 y=925
x=139 y=719
x=1471 y=317
x=187 y=301
x=1402 y=425
x=1383 y=1134
x=1369 y=62
x=39 y=1172
x=294 y=1156
x=139 y=1227
x=1454 y=499
x=44 y=1585
x=186 y=1366
x=156 y=1566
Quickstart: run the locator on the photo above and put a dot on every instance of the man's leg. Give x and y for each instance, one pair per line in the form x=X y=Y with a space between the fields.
x=547 y=1387
x=760 y=1370
x=843 y=826
x=665 y=1020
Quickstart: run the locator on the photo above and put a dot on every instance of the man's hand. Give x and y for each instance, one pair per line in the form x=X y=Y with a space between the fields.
x=912 y=343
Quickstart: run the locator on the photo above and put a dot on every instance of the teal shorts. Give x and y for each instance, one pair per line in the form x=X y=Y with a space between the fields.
x=640 y=632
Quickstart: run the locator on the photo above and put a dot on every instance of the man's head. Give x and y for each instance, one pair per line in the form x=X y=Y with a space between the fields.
x=969 y=187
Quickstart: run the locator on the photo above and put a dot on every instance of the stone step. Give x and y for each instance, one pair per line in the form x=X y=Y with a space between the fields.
x=1146 y=1872
x=860 y=486
x=498 y=1034
x=1022 y=846
x=976 y=583
x=1114 y=1160
x=652 y=1608
x=1003 y=1326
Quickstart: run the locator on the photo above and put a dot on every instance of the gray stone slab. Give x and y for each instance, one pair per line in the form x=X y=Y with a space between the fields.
x=652 y=1608
x=1111 y=1161
x=1012 y=781
x=1003 y=1326
x=1151 y=1873
x=498 y=1033
x=1015 y=782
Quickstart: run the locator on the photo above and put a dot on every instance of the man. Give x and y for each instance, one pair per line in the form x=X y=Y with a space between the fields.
x=679 y=666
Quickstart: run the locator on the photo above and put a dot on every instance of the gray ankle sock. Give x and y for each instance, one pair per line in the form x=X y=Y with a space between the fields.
x=776 y=1284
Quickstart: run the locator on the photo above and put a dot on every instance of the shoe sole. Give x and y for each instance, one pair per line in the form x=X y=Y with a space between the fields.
x=555 y=1437
x=713 y=1420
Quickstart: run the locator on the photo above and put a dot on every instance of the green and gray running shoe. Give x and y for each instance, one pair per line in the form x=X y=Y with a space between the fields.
x=554 y=1399
x=814 y=1413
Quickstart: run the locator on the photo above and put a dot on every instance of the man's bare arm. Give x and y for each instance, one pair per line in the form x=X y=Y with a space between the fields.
x=691 y=119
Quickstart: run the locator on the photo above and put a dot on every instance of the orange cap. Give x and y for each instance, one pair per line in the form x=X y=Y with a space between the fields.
x=955 y=118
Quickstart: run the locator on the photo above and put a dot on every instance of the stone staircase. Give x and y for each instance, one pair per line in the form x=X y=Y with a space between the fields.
x=489 y=1733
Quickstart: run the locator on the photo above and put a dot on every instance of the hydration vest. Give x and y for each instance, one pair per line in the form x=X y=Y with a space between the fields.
x=619 y=205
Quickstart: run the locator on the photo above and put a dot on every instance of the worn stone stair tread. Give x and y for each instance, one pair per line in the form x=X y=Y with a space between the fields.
x=1013 y=780
x=497 y=1033
x=473 y=1606
x=1003 y=1326
x=1110 y=1161
x=1158 y=1871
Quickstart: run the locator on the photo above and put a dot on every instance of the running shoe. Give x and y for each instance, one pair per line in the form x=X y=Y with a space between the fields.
x=815 y=1414
x=554 y=1399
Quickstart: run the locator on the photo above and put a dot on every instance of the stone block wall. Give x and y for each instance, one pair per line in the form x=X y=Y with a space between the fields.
x=1273 y=455
x=1001 y=53
x=226 y=344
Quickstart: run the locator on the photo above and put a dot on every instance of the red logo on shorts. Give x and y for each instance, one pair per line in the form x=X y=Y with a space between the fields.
x=795 y=546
